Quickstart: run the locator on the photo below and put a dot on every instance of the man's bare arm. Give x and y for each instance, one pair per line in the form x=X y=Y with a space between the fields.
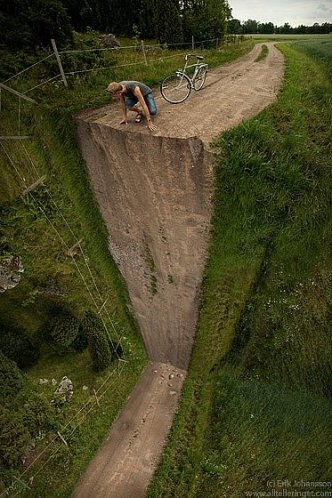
x=138 y=94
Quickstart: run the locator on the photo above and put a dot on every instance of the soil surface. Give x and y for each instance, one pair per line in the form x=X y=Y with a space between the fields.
x=154 y=192
x=124 y=464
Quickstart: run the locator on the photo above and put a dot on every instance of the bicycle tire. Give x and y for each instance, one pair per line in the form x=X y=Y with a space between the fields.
x=175 y=88
x=200 y=78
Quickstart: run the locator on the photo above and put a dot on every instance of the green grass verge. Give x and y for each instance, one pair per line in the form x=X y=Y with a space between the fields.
x=40 y=227
x=256 y=405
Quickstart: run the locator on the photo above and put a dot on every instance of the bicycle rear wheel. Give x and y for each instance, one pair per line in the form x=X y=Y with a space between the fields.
x=200 y=78
x=175 y=88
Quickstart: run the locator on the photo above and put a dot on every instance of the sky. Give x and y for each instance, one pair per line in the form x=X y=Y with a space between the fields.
x=294 y=12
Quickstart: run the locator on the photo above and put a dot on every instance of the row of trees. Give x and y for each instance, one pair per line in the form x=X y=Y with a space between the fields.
x=30 y=24
x=252 y=26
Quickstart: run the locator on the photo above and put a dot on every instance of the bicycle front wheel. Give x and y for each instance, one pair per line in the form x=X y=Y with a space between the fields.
x=200 y=78
x=175 y=88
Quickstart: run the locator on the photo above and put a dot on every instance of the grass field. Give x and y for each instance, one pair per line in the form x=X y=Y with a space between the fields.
x=256 y=407
x=292 y=37
x=41 y=227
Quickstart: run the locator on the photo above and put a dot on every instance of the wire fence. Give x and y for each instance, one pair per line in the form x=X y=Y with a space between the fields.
x=27 y=477
x=85 y=272
x=91 y=287
x=146 y=53
x=60 y=64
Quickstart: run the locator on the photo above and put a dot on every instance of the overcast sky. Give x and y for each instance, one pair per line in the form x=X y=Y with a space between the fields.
x=295 y=12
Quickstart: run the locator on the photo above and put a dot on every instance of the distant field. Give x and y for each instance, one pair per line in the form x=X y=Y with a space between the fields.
x=320 y=48
x=317 y=46
x=292 y=37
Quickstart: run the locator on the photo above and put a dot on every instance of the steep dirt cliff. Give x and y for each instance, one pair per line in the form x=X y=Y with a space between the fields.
x=154 y=195
x=154 y=192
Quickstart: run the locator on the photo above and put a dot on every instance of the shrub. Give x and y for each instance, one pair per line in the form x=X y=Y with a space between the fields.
x=14 y=437
x=11 y=379
x=64 y=329
x=17 y=346
x=37 y=414
x=81 y=341
x=100 y=352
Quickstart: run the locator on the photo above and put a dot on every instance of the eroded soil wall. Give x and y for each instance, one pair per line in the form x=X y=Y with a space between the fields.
x=154 y=195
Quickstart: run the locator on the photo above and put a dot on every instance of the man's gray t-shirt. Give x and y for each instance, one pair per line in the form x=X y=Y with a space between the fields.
x=131 y=85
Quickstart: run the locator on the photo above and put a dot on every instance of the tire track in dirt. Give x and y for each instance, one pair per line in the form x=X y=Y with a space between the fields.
x=146 y=417
x=154 y=193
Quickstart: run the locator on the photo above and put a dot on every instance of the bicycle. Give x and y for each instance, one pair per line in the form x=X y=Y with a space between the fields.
x=176 y=87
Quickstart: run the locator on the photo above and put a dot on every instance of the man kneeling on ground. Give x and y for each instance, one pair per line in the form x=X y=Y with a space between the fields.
x=129 y=94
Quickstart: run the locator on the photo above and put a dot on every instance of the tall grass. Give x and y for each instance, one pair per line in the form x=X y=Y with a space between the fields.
x=256 y=407
x=39 y=228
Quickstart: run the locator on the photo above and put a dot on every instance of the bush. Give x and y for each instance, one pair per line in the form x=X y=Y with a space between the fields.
x=37 y=414
x=14 y=437
x=64 y=329
x=100 y=352
x=11 y=379
x=17 y=346
x=81 y=341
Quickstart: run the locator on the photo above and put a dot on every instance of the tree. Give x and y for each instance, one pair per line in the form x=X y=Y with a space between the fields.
x=36 y=413
x=168 y=22
x=205 y=19
x=286 y=29
x=301 y=30
x=234 y=27
x=146 y=18
x=250 y=27
x=30 y=24
x=81 y=14
x=266 y=28
x=116 y=16
x=17 y=345
x=100 y=352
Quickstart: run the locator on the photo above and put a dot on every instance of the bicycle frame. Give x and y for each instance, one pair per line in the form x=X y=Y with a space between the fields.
x=197 y=66
x=177 y=86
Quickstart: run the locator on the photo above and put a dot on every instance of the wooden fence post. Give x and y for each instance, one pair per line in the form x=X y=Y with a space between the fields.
x=94 y=392
x=36 y=184
x=20 y=96
x=144 y=54
x=57 y=55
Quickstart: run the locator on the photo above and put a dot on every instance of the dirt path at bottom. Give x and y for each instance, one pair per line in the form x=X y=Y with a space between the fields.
x=125 y=463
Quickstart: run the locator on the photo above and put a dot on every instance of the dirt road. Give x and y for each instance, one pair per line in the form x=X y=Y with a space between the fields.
x=123 y=467
x=154 y=192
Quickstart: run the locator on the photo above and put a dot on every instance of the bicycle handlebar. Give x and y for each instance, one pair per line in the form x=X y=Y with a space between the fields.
x=198 y=57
